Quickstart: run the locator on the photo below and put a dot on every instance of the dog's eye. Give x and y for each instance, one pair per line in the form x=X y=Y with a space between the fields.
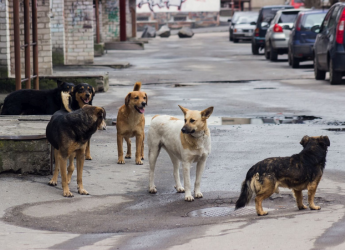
x=144 y=98
x=191 y=120
x=185 y=121
x=136 y=97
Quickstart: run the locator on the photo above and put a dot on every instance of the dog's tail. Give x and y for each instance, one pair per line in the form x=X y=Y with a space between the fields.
x=137 y=86
x=66 y=102
x=246 y=194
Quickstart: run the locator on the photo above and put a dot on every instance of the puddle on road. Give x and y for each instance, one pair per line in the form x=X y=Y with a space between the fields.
x=224 y=211
x=279 y=119
x=336 y=129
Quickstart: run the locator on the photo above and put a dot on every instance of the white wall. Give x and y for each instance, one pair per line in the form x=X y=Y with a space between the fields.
x=145 y=6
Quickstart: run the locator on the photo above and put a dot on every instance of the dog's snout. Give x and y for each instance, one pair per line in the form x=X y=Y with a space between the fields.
x=143 y=104
x=87 y=95
x=183 y=130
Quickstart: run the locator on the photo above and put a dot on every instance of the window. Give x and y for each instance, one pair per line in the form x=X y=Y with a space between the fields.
x=288 y=17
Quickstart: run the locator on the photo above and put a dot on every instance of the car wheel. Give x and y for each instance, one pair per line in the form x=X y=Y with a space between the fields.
x=267 y=53
x=255 y=49
x=235 y=40
x=294 y=62
x=334 y=76
x=319 y=74
x=273 y=55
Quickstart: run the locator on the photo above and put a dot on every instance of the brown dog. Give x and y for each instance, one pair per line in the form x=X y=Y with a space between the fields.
x=131 y=123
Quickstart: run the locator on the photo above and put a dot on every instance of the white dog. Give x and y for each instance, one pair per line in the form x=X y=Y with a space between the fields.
x=186 y=142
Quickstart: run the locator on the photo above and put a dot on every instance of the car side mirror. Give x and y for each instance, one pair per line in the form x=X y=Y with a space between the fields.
x=229 y=20
x=264 y=25
x=253 y=23
x=316 y=28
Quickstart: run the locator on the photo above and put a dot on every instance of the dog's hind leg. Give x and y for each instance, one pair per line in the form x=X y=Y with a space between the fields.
x=88 y=151
x=70 y=167
x=63 y=168
x=120 y=149
x=311 y=193
x=53 y=181
x=299 y=199
x=80 y=166
x=153 y=154
x=200 y=167
x=265 y=185
x=129 y=148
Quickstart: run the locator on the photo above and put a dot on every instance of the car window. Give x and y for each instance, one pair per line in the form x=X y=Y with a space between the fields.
x=288 y=17
x=311 y=20
x=246 y=19
x=333 y=17
x=268 y=14
x=326 y=20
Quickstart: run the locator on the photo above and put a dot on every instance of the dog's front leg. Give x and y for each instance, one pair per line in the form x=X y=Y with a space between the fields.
x=63 y=168
x=80 y=166
x=199 y=170
x=70 y=167
x=88 y=151
x=311 y=194
x=139 y=140
x=120 y=149
x=186 y=179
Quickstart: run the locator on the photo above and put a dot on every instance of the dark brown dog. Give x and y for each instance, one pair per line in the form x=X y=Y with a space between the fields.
x=298 y=172
x=69 y=132
x=131 y=123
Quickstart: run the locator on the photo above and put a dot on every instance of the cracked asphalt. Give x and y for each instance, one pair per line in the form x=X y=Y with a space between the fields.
x=197 y=73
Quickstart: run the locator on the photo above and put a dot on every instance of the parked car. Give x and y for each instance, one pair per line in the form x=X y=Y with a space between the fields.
x=234 y=19
x=303 y=35
x=244 y=27
x=277 y=35
x=329 y=47
x=266 y=14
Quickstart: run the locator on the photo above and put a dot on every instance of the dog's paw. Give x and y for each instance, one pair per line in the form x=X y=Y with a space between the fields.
x=153 y=190
x=128 y=157
x=142 y=158
x=302 y=207
x=139 y=162
x=263 y=213
x=121 y=162
x=179 y=189
x=67 y=193
x=189 y=198
x=83 y=192
x=52 y=183
x=198 y=195
x=88 y=157
x=315 y=208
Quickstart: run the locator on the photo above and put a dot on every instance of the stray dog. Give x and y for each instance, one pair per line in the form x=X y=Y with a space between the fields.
x=297 y=172
x=35 y=102
x=131 y=123
x=83 y=94
x=69 y=132
x=186 y=142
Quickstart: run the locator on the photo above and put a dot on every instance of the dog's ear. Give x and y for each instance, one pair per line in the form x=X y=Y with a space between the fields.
x=127 y=99
x=206 y=113
x=101 y=112
x=146 y=99
x=325 y=140
x=184 y=110
x=304 y=140
x=93 y=91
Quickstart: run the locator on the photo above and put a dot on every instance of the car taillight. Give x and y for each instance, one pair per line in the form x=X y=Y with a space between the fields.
x=340 y=29
x=256 y=32
x=277 y=28
x=299 y=22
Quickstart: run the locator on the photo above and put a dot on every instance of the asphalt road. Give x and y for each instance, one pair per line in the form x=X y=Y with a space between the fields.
x=262 y=109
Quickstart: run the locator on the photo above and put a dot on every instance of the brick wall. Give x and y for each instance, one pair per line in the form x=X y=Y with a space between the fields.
x=58 y=32
x=4 y=40
x=79 y=31
x=260 y=3
x=43 y=33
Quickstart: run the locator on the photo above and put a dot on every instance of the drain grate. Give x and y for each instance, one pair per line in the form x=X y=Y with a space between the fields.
x=224 y=211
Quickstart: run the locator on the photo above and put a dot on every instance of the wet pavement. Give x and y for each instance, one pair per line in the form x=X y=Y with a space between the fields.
x=252 y=120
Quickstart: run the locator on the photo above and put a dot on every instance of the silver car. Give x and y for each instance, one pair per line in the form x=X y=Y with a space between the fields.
x=278 y=33
x=244 y=27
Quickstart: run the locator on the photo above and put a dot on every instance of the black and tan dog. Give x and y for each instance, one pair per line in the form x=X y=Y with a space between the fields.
x=83 y=94
x=69 y=132
x=35 y=102
x=131 y=123
x=297 y=172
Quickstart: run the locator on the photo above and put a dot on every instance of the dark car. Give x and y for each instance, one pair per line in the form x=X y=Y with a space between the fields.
x=266 y=15
x=329 y=47
x=303 y=35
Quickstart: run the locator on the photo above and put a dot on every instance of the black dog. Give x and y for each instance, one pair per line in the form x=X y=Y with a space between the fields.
x=69 y=132
x=82 y=95
x=297 y=172
x=36 y=102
